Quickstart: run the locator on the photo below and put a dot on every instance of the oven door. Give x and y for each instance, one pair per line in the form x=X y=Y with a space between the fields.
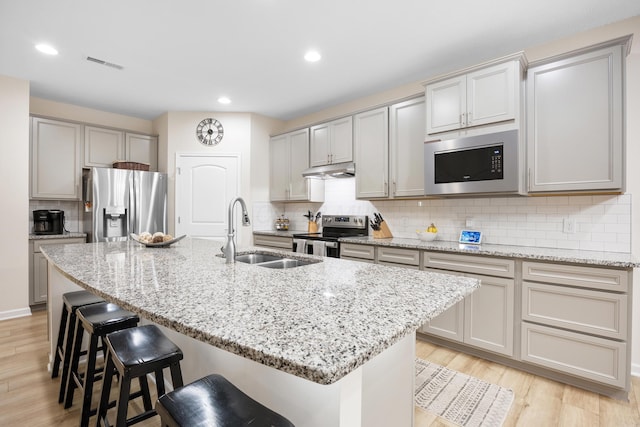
x=328 y=248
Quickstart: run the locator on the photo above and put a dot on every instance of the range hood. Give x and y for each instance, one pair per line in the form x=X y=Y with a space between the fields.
x=336 y=170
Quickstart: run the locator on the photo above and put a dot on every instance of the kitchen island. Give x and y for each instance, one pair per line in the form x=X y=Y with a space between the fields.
x=331 y=343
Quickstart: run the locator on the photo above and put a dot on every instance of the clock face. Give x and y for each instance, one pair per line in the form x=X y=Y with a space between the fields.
x=209 y=132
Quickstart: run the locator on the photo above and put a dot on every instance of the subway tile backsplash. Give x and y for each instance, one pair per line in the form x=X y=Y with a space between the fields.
x=600 y=223
x=72 y=212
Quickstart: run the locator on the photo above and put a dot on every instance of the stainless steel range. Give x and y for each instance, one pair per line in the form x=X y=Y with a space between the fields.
x=326 y=243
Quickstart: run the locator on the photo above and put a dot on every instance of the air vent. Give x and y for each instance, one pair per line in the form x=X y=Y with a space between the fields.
x=105 y=63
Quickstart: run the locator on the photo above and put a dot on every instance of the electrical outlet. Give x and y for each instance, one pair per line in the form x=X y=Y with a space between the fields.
x=569 y=225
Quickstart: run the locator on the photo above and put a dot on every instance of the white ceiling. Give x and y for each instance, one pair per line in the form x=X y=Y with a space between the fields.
x=181 y=55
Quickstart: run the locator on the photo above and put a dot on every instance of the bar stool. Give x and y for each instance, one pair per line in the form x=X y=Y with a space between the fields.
x=213 y=401
x=97 y=320
x=71 y=301
x=134 y=353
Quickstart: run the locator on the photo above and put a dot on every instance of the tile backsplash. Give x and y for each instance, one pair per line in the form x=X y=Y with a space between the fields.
x=601 y=223
x=72 y=212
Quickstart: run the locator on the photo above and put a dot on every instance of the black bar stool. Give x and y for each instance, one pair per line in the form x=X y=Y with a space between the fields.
x=71 y=301
x=214 y=402
x=97 y=320
x=134 y=353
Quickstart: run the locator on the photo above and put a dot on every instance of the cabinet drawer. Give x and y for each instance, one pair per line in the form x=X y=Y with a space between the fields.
x=470 y=264
x=593 y=312
x=273 y=241
x=349 y=250
x=587 y=277
x=398 y=256
x=589 y=357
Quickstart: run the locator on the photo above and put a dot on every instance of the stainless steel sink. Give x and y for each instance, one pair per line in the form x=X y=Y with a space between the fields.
x=256 y=258
x=286 y=263
x=273 y=261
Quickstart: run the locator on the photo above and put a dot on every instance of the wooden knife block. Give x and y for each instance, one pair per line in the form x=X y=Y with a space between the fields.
x=383 y=233
x=312 y=227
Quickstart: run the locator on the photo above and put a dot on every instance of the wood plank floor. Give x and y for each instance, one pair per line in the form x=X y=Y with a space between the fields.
x=28 y=396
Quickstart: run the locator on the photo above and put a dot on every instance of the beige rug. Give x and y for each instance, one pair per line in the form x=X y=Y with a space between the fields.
x=459 y=398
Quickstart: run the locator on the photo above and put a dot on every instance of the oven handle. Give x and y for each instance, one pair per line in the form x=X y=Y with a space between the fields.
x=332 y=245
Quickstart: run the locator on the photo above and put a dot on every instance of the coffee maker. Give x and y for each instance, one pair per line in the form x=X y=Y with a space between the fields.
x=48 y=221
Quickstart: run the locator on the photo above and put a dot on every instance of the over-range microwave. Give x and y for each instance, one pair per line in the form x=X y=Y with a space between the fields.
x=484 y=164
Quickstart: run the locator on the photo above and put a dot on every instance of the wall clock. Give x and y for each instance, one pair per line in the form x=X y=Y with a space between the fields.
x=209 y=132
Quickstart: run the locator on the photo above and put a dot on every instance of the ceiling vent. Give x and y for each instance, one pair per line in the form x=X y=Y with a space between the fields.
x=105 y=63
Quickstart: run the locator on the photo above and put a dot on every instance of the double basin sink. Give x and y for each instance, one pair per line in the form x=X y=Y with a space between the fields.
x=273 y=261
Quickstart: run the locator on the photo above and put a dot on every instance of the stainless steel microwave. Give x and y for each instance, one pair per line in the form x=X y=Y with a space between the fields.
x=482 y=164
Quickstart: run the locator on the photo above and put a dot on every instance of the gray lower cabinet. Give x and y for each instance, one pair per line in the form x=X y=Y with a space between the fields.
x=576 y=319
x=38 y=268
x=484 y=319
x=274 y=242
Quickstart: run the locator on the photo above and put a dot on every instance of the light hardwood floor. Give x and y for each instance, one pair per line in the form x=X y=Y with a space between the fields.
x=28 y=396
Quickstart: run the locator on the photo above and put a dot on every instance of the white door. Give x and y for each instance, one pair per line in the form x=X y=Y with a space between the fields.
x=205 y=185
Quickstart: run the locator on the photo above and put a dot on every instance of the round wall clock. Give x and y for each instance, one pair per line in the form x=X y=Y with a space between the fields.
x=209 y=131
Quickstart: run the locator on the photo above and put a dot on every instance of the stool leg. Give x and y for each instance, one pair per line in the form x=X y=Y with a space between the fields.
x=123 y=400
x=67 y=390
x=61 y=335
x=68 y=350
x=107 y=379
x=88 y=381
x=176 y=375
x=160 y=382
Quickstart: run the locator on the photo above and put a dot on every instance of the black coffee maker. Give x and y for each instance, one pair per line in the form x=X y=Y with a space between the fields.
x=48 y=221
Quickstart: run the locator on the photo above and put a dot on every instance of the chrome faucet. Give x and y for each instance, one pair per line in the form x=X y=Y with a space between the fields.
x=229 y=249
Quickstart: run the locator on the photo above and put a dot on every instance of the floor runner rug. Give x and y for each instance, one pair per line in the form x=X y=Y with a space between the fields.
x=459 y=398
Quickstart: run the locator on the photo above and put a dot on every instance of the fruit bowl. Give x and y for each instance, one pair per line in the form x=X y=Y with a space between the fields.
x=427 y=236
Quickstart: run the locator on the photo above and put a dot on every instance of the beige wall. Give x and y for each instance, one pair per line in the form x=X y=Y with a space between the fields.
x=14 y=193
x=59 y=110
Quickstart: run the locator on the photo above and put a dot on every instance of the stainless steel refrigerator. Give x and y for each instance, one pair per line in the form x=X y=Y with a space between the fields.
x=118 y=202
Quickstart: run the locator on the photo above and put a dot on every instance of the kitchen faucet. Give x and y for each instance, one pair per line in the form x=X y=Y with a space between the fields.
x=229 y=249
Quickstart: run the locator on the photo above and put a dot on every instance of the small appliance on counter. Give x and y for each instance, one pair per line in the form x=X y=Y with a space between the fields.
x=48 y=221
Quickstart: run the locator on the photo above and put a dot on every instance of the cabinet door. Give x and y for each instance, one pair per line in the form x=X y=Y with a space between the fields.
x=55 y=159
x=446 y=105
x=491 y=94
x=279 y=168
x=298 y=162
x=371 y=131
x=575 y=110
x=40 y=278
x=319 y=145
x=406 y=148
x=450 y=323
x=142 y=149
x=102 y=147
x=341 y=140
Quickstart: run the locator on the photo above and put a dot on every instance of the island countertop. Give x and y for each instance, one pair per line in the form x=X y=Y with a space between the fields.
x=319 y=322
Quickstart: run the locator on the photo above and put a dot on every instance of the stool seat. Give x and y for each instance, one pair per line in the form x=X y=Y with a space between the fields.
x=101 y=319
x=76 y=299
x=213 y=401
x=134 y=353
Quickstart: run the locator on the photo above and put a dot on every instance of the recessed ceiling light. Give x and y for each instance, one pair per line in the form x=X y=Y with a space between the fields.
x=312 y=56
x=224 y=100
x=46 y=49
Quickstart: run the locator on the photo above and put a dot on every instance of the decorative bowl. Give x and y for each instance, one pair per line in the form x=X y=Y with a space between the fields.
x=426 y=236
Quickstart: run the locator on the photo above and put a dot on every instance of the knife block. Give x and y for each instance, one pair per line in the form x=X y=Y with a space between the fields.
x=312 y=227
x=383 y=233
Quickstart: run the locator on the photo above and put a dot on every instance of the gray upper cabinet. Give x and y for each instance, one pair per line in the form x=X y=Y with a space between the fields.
x=486 y=94
x=371 y=145
x=103 y=147
x=406 y=148
x=332 y=142
x=55 y=159
x=575 y=111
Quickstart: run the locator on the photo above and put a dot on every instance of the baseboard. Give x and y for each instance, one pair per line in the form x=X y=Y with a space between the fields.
x=635 y=369
x=12 y=314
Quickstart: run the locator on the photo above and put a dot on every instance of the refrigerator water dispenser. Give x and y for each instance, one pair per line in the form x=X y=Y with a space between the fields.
x=115 y=221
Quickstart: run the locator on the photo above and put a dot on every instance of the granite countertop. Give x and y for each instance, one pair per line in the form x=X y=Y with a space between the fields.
x=595 y=258
x=319 y=321
x=67 y=235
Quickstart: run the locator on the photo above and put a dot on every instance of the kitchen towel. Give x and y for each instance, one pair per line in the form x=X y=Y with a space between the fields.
x=301 y=245
x=320 y=248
